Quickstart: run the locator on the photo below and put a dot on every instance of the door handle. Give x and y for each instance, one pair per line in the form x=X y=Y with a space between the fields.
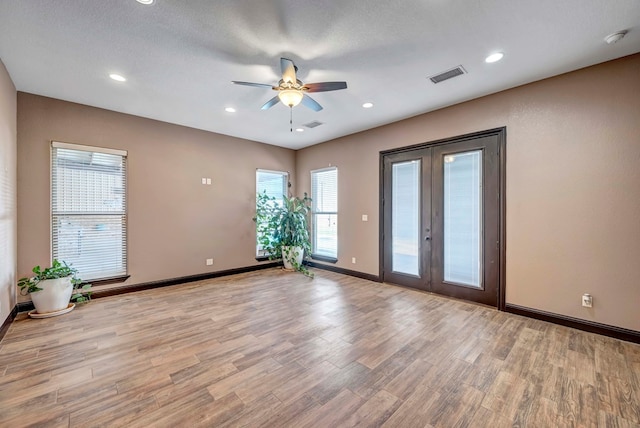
x=427 y=238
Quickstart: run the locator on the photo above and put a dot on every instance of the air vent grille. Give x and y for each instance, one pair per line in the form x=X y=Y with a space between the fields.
x=312 y=124
x=449 y=74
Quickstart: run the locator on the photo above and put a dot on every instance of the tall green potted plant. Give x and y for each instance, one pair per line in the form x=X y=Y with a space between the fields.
x=283 y=231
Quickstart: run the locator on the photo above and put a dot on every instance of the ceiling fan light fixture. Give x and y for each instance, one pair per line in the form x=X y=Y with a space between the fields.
x=290 y=97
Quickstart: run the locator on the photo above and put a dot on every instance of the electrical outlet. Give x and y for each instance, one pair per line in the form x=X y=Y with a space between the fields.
x=587 y=300
x=204 y=180
x=353 y=260
x=208 y=181
x=209 y=262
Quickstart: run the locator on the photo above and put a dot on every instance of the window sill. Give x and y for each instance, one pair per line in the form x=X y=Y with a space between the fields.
x=107 y=281
x=324 y=258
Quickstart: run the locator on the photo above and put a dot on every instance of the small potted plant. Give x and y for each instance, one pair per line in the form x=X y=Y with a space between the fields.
x=52 y=288
x=282 y=230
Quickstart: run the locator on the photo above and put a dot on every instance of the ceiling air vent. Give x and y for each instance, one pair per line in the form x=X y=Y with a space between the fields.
x=312 y=124
x=449 y=74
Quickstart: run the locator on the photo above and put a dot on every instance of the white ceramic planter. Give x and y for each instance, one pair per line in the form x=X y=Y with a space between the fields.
x=291 y=253
x=54 y=296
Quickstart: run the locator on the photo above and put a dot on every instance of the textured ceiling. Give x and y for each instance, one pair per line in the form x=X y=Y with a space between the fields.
x=180 y=56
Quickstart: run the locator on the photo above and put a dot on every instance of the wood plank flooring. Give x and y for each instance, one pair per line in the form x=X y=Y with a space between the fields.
x=276 y=349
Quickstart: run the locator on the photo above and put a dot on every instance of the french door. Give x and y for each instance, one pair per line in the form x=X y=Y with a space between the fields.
x=442 y=217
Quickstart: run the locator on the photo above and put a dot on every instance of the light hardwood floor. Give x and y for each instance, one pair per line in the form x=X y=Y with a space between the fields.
x=275 y=349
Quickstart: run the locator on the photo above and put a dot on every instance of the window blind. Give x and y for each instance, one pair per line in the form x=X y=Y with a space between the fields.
x=89 y=209
x=405 y=217
x=324 y=195
x=463 y=218
x=274 y=184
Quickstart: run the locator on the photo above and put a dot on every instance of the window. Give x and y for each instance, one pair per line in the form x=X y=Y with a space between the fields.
x=274 y=184
x=324 y=207
x=89 y=210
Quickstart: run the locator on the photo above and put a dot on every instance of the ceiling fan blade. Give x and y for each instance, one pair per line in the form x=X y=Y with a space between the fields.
x=309 y=102
x=262 y=85
x=273 y=101
x=325 y=86
x=288 y=70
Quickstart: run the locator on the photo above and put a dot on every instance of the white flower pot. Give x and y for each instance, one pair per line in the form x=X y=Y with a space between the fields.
x=54 y=296
x=292 y=253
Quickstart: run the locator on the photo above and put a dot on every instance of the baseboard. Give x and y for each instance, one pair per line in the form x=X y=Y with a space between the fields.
x=332 y=268
x=25 y=306
x=577 y=323
x=7 y=322
x=96 y=294
x=181 y=280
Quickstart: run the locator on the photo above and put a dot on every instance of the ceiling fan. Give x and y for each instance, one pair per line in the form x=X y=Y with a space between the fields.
x=292 y=91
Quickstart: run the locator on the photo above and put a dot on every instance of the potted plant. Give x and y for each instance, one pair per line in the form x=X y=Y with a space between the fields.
x=282 y=230
x=52 y=288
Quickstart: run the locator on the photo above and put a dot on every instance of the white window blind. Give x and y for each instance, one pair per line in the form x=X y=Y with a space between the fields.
x=324 y=195
x=89 y=209
x=463 y=218
x=405 y=217
x=274 y=184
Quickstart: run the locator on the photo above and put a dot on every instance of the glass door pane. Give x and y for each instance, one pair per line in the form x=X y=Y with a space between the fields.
x=463 y=218
x=405 y=216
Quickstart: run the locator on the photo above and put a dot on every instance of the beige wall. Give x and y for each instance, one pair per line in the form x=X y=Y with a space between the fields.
x=8 y=183
x=174 y=222
x=573 y=150
x=573 y=187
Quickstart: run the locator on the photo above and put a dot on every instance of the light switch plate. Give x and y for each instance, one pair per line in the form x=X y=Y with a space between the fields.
x=365 y=217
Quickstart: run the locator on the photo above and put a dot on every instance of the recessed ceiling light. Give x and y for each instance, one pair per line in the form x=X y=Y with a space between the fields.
x=300 y=129
x=367 y=105
x=230 y=110
x=117 y=77
x=494 y=57
x=145 y=1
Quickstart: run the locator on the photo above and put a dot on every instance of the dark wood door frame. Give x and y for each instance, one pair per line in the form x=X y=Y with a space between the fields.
x=501 y=134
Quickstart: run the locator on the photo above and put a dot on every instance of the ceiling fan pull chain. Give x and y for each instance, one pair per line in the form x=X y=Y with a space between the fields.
x=291 y=118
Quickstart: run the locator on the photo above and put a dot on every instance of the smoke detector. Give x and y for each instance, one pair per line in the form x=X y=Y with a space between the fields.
x=612 y=38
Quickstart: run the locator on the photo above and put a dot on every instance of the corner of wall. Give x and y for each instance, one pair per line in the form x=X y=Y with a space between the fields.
x=8 y=194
